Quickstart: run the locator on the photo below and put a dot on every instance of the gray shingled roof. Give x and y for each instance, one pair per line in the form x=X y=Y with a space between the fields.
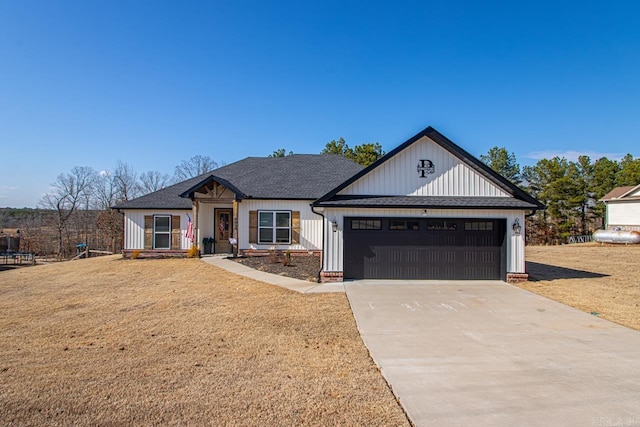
x=300 y=176
x=423 y=202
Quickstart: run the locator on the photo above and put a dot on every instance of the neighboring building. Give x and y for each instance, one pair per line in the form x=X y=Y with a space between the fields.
x=426 y=210
x=623 y=208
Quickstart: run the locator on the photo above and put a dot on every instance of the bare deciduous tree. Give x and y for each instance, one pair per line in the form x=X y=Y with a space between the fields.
x=105 y=191
x=109 y=222
x=151 y=181
x=197 y=165
x=66 y=193
x=126 y=182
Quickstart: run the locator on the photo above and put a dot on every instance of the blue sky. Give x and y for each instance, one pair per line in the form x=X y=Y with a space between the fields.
x=87 y=83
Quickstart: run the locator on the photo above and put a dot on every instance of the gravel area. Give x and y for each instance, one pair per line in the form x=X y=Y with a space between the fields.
x=301 y=267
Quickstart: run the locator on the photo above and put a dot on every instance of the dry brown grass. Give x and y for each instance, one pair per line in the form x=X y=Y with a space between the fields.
x=110 y=342
x=603 y=279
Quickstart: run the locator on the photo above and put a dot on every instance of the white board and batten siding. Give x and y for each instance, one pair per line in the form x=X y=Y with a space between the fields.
x=134 y=226
x=398 y=176
x=333 y=261
x=310 y=223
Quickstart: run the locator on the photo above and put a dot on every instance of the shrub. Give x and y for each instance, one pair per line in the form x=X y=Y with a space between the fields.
x=286 y=261
x=273 y=254
x=193 y=252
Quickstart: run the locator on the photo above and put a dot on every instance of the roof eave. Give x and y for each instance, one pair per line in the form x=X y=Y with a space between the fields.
x=426 y=206
x=632 y=190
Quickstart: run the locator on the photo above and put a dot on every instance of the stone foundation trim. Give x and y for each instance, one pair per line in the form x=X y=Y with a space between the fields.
x=517 y=277
x=153 y=253
x=330 y=276
x=266 y=252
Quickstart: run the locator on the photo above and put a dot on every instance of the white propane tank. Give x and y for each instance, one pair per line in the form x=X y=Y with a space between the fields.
x=612 y=236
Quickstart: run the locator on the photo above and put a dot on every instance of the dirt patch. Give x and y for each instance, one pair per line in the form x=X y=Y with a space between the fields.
x=300 y=267
x=600 y=279
x=107 y=341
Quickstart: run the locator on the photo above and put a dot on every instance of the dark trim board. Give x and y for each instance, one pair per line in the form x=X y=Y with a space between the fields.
x=429 y=248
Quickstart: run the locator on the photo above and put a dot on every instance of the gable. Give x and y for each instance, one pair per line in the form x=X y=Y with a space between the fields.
x=399 y=175
x=455 y=179
x=635 y=193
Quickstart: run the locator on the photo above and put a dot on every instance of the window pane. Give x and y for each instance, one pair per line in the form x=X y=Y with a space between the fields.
x=266 y=219
x=478 y=225
x=397 y=225
x=435 y=225
x=282 y=219
x=413 y=225
x=162 y=224
x=162 y=241
x=366 y=224
x=282 y=235
x=266 y=235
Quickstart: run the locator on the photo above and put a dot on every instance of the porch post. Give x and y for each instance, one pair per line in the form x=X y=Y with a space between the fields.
x=196 y=231
x=235 y=226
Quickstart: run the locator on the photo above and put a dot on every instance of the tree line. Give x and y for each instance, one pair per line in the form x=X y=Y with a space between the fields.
x=570 y=190
x=77 y=209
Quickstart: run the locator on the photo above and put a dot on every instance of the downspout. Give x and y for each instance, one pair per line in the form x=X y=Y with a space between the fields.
x=323 y=245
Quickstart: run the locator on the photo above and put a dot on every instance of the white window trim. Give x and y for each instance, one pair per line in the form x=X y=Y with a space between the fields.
x=155 y=233
x=274 y=228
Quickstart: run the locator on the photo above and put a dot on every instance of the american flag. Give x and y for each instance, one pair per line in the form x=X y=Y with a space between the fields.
x=189 y=233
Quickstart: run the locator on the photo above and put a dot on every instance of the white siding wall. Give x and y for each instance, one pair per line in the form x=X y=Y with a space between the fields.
x=134 y=226
x=310 y=223
x=334 y=240
x=624 y=214
x=399 y=176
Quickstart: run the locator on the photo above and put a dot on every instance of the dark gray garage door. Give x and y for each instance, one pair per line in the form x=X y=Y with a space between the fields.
x=420 y=248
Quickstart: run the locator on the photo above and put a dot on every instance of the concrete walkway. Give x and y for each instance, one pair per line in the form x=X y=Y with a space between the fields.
x=297 y=285
x=490 y=354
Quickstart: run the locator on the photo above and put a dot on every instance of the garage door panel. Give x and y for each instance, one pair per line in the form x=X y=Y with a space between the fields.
x=453 y=253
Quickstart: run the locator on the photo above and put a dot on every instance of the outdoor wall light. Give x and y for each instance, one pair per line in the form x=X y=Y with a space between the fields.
x=334 y=225
x=517 y=228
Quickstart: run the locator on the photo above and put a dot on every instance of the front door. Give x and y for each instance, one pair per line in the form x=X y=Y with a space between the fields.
x=223 y=229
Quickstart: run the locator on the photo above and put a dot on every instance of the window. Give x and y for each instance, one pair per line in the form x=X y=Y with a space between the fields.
x=478 y=225
x=162 y=232
x=441 y=225
x=403 y=225
x=366 y=224
x=274 y=227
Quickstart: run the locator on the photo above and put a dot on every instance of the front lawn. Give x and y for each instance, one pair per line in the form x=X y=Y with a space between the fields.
x=600 y=279
x=107 y=341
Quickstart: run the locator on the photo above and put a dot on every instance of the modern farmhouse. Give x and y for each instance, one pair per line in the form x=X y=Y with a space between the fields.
x=426 y=210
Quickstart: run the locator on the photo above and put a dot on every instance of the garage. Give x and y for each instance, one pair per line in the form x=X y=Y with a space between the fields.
x=424 y=248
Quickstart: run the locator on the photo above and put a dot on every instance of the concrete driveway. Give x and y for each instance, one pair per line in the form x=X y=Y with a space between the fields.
x=490 y=354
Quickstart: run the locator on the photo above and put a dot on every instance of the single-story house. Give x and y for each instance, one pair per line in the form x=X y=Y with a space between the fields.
x=622 y=208
x=426 y=210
